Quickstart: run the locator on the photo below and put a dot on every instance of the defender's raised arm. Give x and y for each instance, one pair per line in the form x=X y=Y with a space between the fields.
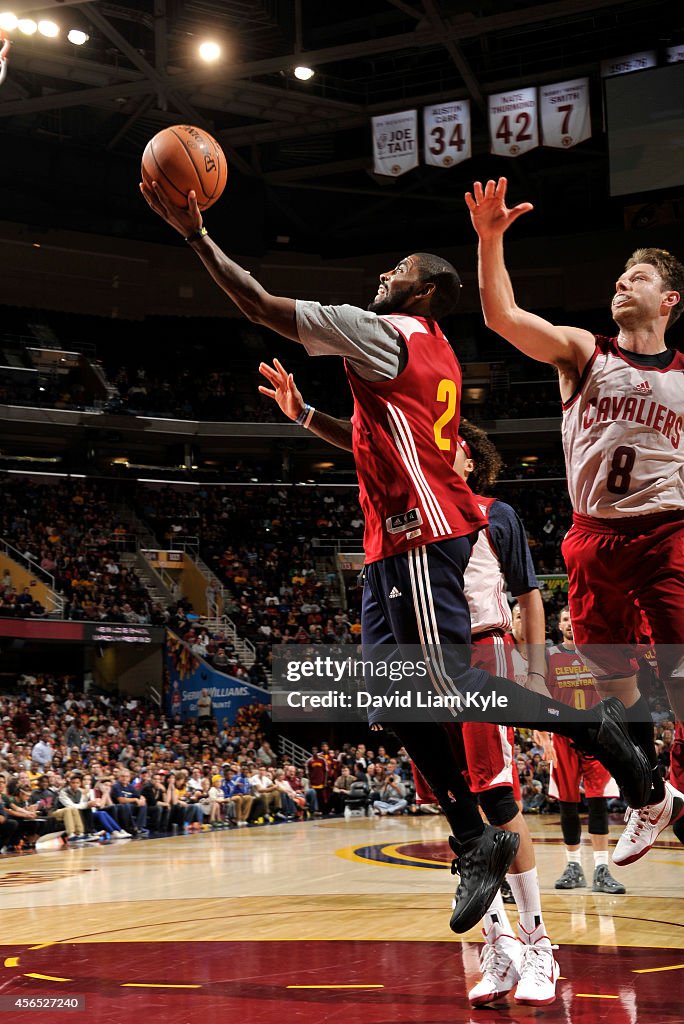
x=566 y=347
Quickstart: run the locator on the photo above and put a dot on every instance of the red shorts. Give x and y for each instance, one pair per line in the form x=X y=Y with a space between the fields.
x=570 y=767
x=677 y=758
x=487 y=749
x=618 y=570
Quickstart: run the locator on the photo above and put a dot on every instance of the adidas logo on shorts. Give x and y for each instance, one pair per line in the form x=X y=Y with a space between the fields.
x=394 y=592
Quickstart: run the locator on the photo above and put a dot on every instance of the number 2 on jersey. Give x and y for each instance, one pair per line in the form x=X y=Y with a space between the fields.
x=446 y=392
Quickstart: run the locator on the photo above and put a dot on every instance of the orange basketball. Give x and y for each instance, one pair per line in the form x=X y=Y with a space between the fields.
x=182 y=158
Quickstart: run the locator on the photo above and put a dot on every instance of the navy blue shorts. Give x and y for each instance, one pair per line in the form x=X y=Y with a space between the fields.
x=416 y=600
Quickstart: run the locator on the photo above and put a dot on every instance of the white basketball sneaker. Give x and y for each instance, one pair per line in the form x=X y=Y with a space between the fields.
x=538 y=970
x=499 y=962
x=645 y=825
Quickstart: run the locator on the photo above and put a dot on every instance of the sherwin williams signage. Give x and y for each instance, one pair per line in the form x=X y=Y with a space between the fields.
x=186 y=677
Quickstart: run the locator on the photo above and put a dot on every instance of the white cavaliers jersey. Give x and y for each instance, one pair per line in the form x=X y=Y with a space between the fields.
x=483 y=582
x=622 y=436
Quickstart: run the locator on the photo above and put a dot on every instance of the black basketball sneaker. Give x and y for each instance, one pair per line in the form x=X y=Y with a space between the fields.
x=482 y=864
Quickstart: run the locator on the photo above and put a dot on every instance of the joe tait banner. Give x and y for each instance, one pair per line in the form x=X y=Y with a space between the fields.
x=447 y=133
x=395 y=143
x=565 y=115
x=513 y=122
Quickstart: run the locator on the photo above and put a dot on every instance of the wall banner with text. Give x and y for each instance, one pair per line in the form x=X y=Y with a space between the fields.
x=395 y=143
x=447 y=133
x=513 y=122
x=565 y=113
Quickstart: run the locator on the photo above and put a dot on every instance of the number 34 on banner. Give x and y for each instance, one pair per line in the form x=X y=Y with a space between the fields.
x=447 y=133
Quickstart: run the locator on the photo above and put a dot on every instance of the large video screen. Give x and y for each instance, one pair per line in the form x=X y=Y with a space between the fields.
x=645 y=120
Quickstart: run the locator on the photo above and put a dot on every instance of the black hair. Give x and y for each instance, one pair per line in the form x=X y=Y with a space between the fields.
x=445 y=279
x=486 y=459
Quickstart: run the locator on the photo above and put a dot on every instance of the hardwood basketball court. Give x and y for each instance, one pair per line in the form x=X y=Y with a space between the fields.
x=326 y=921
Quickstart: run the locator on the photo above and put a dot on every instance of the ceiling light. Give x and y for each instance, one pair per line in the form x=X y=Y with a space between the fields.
x=77 y=37
x=303 y=73
x=28 y=26
x=209 y=51
x=48 y=28
x=8 y=21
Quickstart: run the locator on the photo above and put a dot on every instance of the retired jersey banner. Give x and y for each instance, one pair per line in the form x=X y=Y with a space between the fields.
x=395 y=143
x=447 y=133
x=513 y=122
x=565 y=114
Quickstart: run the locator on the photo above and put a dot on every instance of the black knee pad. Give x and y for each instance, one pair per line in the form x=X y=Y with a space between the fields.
x=499 y=805
x=598 y=815
x=570 y=823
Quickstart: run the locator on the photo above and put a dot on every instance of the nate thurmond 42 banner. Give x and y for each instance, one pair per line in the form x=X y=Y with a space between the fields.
x=557 y=116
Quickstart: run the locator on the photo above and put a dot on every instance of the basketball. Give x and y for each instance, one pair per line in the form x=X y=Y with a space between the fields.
x=182 y=158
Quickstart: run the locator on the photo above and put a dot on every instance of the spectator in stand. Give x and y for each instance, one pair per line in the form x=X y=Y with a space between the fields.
x=343 y=783
x=77 y=735
x=302 y=787
x=288 y=797
x=194 y=784
x=74 y=795
x=31 y=824
x=176 y=805
x=264 y=787
x=376 y=780
x=237 y=790
x=266 y=755
x=152 y=789
x=131 y=809
x=189 y=800
x=533 y=798
x=212 y=801
x=317 y=771
x=45 y=796
x=42 y=751
x=392 y=798
x=98 y=804
x=220 y=660
x=205 y=713
x=8 y=824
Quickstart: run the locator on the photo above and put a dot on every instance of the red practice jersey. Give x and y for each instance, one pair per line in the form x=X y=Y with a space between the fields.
x=569 y=679
x=405 y=433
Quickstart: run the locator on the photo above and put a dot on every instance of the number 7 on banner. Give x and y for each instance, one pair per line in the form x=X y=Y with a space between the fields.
x=565 y=113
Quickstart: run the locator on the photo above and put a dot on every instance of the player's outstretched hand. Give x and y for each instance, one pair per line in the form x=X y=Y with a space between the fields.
x=186 y=221
x=488 y=210
x=284 y=390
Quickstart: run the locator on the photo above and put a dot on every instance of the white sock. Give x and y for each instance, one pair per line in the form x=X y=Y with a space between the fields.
x=600 y=857
x=525 y=889
x=572 y=856
x=496 y=915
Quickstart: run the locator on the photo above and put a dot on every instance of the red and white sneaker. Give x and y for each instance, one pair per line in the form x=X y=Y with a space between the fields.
x=538 y=970
x=645 y=825
x=499 y=962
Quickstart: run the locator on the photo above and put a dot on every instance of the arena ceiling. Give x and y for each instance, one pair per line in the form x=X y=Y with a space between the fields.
x=73 y=122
